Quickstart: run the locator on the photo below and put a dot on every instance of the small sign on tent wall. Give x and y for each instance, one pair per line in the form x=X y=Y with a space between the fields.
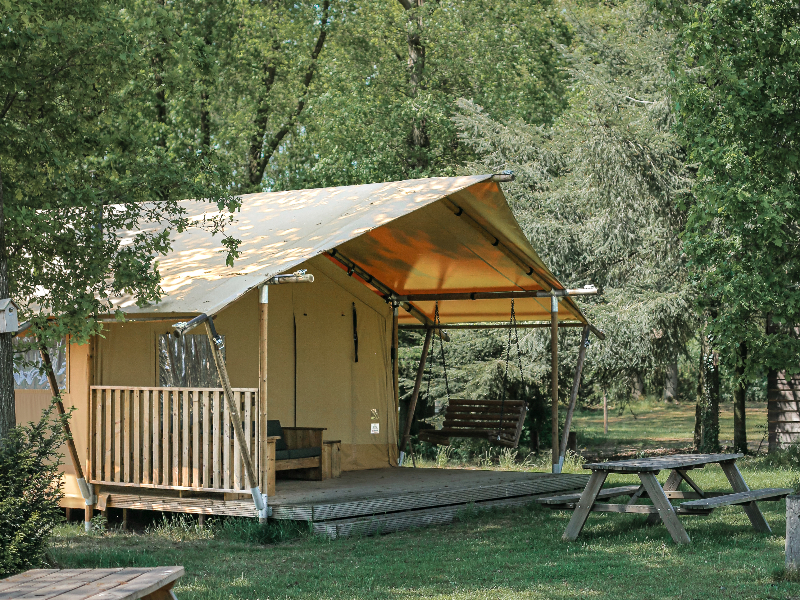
x=374 y=427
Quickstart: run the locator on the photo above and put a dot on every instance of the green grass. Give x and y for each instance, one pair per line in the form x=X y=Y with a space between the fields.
x=651 y=425
x=507 y=554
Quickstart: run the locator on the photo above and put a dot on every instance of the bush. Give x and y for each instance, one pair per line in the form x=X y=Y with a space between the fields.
x=30 y=490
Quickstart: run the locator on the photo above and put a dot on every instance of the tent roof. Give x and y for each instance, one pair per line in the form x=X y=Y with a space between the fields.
x=444 y=234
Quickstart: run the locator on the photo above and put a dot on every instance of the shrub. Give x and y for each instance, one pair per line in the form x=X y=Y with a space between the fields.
x=30 y=490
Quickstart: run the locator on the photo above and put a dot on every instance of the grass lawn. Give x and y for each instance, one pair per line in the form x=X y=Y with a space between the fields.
x=650 y=424
x=507 y=554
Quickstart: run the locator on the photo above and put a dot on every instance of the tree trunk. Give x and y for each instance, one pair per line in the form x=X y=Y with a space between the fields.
x=419 y=139
x=638 y=386
x=7 y=413
x=739 y=393
x=671 y=382
x=709 y=373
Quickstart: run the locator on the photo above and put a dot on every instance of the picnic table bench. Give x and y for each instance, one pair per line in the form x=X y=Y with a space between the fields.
x=95 y=584
x=700 y=502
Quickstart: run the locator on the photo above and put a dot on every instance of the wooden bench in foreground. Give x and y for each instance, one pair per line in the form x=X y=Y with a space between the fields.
x=93 y=584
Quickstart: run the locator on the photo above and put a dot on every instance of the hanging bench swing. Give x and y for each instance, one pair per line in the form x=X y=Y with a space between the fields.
x=498 y=421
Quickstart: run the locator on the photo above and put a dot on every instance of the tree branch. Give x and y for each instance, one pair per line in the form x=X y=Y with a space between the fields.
x=268 y=150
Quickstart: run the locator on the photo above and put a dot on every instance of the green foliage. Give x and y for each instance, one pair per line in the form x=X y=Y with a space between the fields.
x=83 y=146
x=596 y=192
x=30 y=490
x=737 y=108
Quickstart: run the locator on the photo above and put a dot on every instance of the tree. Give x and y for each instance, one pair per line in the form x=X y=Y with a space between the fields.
x=80 y=161
x=390 y=74
x=739 y=117
x=597 y=191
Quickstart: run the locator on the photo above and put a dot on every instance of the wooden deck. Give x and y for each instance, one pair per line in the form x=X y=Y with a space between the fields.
x=378 y=500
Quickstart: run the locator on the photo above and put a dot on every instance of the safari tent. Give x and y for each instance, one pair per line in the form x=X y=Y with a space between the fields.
x=319 y=357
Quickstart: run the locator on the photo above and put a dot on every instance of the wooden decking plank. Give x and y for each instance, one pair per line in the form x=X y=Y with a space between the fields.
x=387 y=523
x=737 y=498
x=394 y=503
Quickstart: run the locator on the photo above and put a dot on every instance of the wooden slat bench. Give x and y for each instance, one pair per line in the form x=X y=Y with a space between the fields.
x=498 y=421
x=766 y=494
x=79 y=584
x=626 y=490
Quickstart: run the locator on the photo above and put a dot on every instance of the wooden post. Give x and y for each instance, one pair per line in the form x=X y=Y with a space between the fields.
x=262 y=388
x=412 y=405
x=395 y=355
x=554 y=378
x=86 y=491
x=605 y=412
x=573 y=399
x=236 y=420
x=793 y=534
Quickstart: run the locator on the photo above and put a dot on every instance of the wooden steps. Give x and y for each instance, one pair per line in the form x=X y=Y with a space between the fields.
x=389 y=523
x=737 y=498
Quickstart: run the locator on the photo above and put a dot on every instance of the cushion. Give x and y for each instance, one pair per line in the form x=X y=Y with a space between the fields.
x=274 y=428
x=305 y=452
x=297 y=453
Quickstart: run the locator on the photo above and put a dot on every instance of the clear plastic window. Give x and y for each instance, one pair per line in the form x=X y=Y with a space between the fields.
x=187 y=362
x=29 y=371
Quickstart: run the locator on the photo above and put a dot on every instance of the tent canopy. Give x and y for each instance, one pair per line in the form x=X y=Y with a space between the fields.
x=424 y=236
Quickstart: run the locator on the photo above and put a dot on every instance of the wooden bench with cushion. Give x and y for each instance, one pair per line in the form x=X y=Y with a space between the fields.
x=294 y=450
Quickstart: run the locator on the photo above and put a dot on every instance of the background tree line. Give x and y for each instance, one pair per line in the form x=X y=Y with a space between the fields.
x=651 y=141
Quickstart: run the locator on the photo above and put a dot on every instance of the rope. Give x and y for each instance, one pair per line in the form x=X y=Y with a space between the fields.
x=438 y=324
x=512 y=325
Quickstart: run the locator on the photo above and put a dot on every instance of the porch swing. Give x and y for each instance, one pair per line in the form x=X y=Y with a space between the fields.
x=498 y=421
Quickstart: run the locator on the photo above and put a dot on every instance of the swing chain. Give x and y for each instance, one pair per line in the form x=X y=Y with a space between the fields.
x=512 y=324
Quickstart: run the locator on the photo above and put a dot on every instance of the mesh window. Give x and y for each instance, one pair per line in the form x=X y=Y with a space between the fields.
x=28 y=368
x=187 y=362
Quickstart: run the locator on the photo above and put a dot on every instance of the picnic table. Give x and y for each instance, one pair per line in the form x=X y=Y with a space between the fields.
x=95 y=584
x=700 y=502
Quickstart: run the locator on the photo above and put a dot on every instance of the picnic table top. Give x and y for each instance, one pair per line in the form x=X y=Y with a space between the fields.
x=659 y=463
x=85 y=584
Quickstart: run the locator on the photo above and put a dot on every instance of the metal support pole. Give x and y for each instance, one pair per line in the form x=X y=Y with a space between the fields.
x=554 y=377
x=412 y=405
x=576 y=384
x=87 y=492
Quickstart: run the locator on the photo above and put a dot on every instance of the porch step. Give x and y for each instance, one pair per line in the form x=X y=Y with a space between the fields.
x=394 y=501
x=398 y=521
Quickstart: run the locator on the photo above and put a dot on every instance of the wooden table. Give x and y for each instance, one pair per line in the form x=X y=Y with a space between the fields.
x=702 y=503
x=95 y=584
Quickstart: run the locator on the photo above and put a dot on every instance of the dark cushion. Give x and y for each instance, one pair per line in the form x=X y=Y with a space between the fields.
x=305 y=452
x=274 y=428
x=297 y=453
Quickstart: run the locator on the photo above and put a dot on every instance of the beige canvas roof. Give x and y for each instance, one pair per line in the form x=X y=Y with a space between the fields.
x=444 y=234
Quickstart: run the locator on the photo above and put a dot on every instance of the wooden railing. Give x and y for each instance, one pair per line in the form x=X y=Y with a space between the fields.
x=174 y=438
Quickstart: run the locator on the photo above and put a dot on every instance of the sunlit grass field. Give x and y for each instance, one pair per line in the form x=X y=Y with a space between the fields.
x=651 y=424
x=511 y=554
